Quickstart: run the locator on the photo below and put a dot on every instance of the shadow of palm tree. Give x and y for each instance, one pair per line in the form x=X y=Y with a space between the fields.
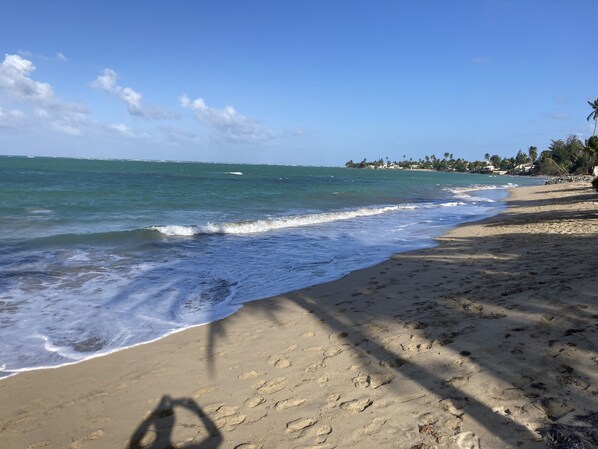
x=533 y=315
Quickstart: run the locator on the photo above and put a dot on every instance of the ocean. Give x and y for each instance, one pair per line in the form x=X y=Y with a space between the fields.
x=99 y=255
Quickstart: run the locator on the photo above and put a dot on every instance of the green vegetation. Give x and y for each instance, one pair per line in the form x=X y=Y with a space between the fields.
x=562 y=157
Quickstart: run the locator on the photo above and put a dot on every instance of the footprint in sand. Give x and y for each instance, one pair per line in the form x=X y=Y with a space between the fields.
x=249 y=374
x=254 y=401
x=203 y=391
x=271 y=386
x=332 y=351
x=379 y=379
x=227 y=417
x=300 y=424
x=332 y=400
x=92 y=436
x=356 y=405
x=371 y=429
x=39 y=445
x=323 y=381
x=322 y=435
x=361 y=381
x=338 y=335
x=288 y=403
x=468 y=440
x=280 y=361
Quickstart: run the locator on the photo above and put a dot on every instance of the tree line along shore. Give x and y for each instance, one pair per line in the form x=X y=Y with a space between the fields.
x=563 y=158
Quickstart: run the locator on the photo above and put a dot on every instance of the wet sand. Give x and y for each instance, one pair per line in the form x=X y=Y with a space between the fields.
x=489 y=340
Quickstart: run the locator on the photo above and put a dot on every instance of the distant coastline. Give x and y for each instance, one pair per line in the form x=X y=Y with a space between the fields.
x=565 y=157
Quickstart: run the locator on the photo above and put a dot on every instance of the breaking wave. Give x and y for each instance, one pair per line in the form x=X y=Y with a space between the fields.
x=292 y=221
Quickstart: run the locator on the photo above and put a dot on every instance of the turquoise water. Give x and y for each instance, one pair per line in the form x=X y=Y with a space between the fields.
x=100 y=255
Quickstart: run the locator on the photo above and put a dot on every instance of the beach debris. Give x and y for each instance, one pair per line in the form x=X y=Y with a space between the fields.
x=569 y=436
x=429 y=430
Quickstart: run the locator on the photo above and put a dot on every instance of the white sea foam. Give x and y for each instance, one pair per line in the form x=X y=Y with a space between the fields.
x=293 y=221
x=478 y=187
x=464 y=193
x=237 y=173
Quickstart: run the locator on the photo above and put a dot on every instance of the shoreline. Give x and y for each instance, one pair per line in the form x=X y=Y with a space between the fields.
x=236 y=304
x=413 y=350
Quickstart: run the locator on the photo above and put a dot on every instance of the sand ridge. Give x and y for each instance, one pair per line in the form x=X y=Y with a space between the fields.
x=484 y=341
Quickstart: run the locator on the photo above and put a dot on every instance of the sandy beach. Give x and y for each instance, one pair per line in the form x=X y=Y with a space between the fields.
x=488 y=340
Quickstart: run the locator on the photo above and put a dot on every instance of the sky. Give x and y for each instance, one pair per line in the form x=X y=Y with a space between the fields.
x=307 y=83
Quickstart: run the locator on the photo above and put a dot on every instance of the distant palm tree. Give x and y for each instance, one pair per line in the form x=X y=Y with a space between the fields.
x=594 y=114
x=533 y=153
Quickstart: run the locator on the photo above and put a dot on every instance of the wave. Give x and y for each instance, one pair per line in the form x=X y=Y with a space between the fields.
x=237 y=173
x=292 y=221
x=463 y=193
x=478 y=187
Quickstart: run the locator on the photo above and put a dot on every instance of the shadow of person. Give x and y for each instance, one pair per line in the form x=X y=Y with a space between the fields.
x=155 y=432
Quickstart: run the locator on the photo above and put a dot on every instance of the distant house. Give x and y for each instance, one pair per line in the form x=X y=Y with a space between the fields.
x=489 y=168
x=524 y=168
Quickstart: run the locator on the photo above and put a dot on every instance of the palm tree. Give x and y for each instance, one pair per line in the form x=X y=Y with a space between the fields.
x=594 y=114
x=533 y=153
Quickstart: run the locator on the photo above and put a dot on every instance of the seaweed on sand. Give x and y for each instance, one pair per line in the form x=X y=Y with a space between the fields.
x=568 y=436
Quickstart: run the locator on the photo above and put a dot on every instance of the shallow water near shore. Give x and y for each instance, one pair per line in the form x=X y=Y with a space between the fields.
x=96 y=256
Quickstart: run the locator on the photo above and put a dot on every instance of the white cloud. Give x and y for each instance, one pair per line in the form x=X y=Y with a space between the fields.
x=61 y=57
x=123 y=129
x=11 y=118
x=16 y=83
x=44 y=109
x=227 y=121
x=129 y=96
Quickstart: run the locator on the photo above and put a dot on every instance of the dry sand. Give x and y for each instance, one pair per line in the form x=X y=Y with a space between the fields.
x=479 y=342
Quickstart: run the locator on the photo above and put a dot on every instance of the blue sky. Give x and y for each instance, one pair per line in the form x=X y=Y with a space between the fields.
x=310 y=82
